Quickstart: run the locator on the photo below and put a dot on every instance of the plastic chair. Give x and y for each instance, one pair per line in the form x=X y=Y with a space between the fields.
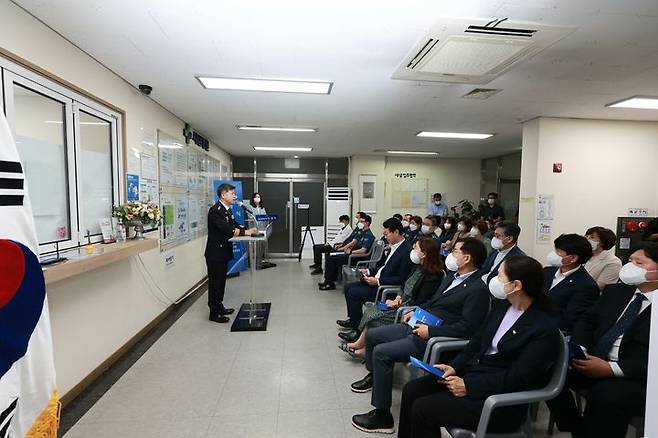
x=551 y=390
x=374 y=254
x=385 y=290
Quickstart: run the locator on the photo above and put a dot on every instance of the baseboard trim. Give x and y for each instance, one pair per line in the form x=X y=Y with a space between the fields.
x=118 y=354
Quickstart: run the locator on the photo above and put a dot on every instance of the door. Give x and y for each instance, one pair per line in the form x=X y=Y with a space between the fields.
x=309 y=193
x=275 y=196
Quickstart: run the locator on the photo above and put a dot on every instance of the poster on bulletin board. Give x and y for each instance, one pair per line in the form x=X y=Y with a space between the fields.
x=132 y=187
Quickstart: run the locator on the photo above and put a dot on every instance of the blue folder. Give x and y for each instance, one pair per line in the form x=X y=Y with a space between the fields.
x=382 y=306
x=576 y=351
x=420 y=316
x=427 y=367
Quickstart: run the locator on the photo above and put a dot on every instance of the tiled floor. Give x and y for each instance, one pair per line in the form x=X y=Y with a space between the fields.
x=200 y=380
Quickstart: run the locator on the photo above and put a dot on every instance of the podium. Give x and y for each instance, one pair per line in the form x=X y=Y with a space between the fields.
x=264 y=224
x=252 y=316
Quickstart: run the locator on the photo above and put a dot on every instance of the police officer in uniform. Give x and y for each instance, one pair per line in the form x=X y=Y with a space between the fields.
x=221 y=227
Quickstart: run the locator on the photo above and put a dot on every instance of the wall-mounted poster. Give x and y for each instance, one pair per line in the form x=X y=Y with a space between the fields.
x=368 y=191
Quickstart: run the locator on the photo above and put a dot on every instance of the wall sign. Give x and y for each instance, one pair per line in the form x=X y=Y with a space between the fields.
x=638 y=212
x=405 y=175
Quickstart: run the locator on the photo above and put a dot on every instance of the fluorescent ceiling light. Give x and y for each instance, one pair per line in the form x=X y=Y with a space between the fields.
x=412 y=152
x=275 y=85
x=462 y=135
x=170 y=146
x=639 y=102
x=283 y=149
x=274 y=128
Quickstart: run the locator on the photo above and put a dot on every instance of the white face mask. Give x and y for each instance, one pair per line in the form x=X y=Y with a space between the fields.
x=413 y=227
x=360 y=225
x=632 y=274
x=437 y=202
x=491 y=201
x=497 y=288
x=594 y=243
x=461 y=227
x=425 y=229
x=497 y=243
x=554 y=259
x=451 y=263
x=438 y=232
x=257 y=200
x=405 y=223
x=414 y=257
x=474 y=232
x=447 y=226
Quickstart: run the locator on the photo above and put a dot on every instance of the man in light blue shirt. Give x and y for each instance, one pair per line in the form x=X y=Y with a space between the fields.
x=436 y=207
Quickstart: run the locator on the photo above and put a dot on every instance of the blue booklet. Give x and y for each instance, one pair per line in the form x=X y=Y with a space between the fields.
x=427 y=367
x=382 y=306
x=576 y=352
x=420 y=316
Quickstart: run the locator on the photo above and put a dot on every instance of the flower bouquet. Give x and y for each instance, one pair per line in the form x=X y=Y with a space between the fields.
x=138 y=214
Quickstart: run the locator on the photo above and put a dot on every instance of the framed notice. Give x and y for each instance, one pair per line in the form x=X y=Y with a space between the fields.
x=368 y=193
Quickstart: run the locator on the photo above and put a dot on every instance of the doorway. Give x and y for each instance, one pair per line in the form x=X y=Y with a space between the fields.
x=283 y=197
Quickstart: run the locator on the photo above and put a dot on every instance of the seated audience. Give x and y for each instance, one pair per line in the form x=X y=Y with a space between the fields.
x=566 y=282
x=449 y=229
x=463 y=229
x=514 y=350
x=343 y=236
x=604 y=266
x=419 y=287
x=398 y=216
x=504 y=244
x=437 y=207
x=406 y=221
x=393 y=270
x=360 y=244
x=492 y=210
x=429 y=227
x=462 y=302
x=615 y=335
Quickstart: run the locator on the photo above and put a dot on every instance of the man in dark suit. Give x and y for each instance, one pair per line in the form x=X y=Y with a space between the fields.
x=566 y=282
x=504 y=243
x=393 y=270
x=221 y=228
x=615 y=333
x=462 y=302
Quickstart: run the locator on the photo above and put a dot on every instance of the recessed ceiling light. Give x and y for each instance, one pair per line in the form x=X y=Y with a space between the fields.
x=412 y=152
x=274 y=128
x=461 y=135
x=639 y=102
x=275 y=85
x=283 y=149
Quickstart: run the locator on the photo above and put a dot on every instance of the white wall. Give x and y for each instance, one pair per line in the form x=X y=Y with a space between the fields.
x=456 y=179
x=608 y=166
x=96 y=313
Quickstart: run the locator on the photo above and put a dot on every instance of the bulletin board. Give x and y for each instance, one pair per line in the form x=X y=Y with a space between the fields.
x=409 y=192
x=185 y=190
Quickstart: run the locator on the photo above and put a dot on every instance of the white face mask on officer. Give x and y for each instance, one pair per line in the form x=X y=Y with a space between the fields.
x=425 y=229
x=633 y=274
x=360 y=225
x=447 y=225
x=413 y=226
x=405 y=224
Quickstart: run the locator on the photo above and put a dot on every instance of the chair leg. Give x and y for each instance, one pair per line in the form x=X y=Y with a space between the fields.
x=551 y=424
x=534 y=409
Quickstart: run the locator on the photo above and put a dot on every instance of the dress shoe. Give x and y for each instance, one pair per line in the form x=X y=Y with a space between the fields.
x=317 y=271
x=377 y=420
x=327 y=286
x=350 y=336
x=344 y=323
x=363 y=385
x=219 y=318
x=226 y=311
x=313 y=266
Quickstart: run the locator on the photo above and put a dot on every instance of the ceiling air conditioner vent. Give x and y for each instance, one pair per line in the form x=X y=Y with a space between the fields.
x=475 y=51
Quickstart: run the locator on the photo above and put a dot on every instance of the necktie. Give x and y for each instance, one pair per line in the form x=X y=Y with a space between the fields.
x=604 y=345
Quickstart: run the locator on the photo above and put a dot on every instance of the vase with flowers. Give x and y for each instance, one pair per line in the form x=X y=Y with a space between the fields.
x=138 y=214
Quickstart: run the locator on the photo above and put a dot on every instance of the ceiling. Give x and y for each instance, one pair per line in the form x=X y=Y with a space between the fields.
x=612 y=54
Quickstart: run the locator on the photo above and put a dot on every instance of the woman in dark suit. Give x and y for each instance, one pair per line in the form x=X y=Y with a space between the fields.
x=513 y=351
x=417 y=289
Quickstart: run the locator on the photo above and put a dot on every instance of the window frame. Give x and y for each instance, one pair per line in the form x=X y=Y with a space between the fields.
x=11 y=73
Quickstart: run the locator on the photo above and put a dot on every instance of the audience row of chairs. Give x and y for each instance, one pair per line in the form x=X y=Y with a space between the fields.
x=501 y=354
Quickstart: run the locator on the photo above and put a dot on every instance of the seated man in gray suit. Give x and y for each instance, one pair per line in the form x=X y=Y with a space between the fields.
x=462 y=302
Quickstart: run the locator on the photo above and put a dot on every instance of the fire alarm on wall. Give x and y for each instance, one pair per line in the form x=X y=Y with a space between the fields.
x=557 y=167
